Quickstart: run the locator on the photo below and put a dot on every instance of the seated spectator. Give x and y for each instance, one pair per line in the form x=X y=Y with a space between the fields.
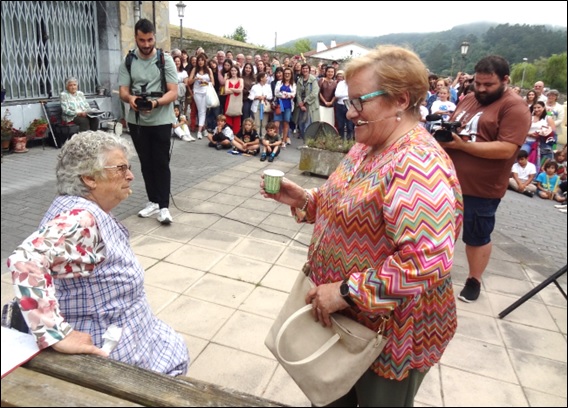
x=560 y=192
x=271 y=143
x=180 y=127
x=522 y=175
x=74 y=107
x=77 y=274
x=247 y=141
x=560 y=159
x=222 y=136
x=547 y=181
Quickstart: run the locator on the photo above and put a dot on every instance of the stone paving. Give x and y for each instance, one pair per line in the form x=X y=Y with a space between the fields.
x=221 y=271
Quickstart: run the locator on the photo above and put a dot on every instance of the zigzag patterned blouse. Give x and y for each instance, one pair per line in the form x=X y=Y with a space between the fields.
x=390 y=224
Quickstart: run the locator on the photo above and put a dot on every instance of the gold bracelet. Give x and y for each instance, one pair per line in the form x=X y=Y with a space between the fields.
x=305 y=206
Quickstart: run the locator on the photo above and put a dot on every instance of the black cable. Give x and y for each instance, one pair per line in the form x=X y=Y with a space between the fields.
x=222 y=216
x=232 y=219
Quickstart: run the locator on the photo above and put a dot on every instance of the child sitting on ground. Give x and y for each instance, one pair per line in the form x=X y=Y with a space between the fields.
x=548 y=181
x=270 y=143
x=223 y=136
x=522 y=175
x=246 y=141
x=560 y=159
x=180 y=127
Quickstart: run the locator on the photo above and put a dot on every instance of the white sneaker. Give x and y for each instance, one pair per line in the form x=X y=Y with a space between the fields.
x=165 y=217
x=205 y=133
x=560 y=206
x=199 y=135
x=188 y=138
x=150 y=209
x=562 y=210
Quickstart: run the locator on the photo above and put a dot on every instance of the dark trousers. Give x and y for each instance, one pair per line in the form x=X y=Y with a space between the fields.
x=374 y=391
x=343 y=124
x=86 y=123
x=211 y=118
x=152 y=144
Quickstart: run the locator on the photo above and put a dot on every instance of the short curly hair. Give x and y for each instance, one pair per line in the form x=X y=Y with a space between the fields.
x=85 y=154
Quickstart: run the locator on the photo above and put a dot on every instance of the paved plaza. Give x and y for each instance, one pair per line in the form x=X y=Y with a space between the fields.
x=220 y=273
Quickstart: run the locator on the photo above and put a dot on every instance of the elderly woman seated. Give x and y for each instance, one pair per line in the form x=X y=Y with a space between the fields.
x=77 y=275
x=75 y=107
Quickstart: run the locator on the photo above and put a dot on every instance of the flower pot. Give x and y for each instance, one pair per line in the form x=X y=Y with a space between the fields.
x=6 y=144
x=19 y=144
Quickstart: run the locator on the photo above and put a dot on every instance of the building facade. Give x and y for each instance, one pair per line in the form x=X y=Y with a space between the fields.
x=46 y=42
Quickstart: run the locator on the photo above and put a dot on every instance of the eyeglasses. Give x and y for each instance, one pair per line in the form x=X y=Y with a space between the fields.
x=357 y=103
x=121 y=167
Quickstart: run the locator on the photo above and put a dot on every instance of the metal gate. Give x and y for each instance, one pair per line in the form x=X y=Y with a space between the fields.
x=44 y=43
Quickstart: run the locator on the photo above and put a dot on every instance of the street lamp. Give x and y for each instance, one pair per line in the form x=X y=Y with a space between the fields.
x=524 y=70
x=180 y=6
x=464 y=49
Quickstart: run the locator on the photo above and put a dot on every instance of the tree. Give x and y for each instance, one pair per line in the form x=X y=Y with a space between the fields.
x=239 y=34
x=555 y=72
x=303 y=45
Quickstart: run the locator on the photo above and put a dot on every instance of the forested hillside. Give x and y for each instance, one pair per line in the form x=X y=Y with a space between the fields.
x=441 y=50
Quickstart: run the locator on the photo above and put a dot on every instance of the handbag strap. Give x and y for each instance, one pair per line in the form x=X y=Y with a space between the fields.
x=319 y=352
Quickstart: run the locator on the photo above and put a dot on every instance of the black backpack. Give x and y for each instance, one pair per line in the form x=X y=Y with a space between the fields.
x=161 y=63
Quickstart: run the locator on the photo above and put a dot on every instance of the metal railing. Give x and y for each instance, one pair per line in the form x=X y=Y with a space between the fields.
x=44 y=43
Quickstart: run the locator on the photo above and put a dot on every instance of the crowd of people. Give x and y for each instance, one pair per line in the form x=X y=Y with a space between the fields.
x=290 y=95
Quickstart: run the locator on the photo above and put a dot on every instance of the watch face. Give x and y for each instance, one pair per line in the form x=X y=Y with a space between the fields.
x=344 y=289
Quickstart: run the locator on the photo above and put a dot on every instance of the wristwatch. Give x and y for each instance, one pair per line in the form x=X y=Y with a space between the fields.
x=344 y=292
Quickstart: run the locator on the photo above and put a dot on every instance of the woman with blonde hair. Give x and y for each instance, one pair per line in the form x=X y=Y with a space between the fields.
x=385 y=228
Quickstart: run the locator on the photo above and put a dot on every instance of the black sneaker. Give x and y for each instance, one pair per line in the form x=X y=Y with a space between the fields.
x=271 y=158
x=470 y=291
x=218 y=147
x=263 y=157
x=528 y=193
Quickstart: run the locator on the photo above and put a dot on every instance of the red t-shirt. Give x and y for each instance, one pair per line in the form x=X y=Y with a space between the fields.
x=508 y=120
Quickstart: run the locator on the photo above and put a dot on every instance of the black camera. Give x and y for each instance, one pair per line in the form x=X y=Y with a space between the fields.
x=443 y=130
x=143 y=103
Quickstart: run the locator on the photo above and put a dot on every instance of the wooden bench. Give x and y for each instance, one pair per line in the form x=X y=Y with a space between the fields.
x=52 y=379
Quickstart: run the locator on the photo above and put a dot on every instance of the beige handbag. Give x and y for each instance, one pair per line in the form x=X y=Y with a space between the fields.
x=325 y=362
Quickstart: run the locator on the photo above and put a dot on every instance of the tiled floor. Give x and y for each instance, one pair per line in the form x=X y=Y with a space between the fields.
x=220 y=278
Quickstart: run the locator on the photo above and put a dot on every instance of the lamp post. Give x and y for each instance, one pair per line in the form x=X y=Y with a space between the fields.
x=524 y=70
x=464 y=50
x=180 y=6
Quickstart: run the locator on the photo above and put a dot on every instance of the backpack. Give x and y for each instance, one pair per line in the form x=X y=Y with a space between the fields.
x=161 y=64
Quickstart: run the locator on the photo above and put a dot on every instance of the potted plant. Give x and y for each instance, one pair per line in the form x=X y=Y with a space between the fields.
x=37 y=129
x=19 y=141
x=6 y=130
x=324 y=150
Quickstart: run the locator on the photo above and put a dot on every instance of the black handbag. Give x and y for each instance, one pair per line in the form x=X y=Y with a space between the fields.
x=12 y=317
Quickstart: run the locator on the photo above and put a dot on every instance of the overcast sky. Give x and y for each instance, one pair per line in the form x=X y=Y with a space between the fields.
x=261 y=20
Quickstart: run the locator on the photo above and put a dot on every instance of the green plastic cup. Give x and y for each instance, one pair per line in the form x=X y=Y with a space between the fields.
x=272 y=180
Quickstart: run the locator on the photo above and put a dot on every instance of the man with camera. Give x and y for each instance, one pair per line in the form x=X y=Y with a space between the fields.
x=148 y=83
x=494 y=123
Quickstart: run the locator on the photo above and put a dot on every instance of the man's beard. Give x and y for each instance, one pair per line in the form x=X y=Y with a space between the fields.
x=146 y=51
x=488 y=98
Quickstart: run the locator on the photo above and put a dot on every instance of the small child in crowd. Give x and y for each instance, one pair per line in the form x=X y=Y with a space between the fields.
x=180 y=127
x=547 y=181
x=522 y=175
x=246 y=141
x=271 y=143
x=443 y=106
x=223 y=136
